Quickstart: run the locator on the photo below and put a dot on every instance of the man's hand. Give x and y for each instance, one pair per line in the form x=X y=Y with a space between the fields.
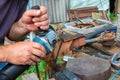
x=30 y=21
x=23 y=53
x=33 y=19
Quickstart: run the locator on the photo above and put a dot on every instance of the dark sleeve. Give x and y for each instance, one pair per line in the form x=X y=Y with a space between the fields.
x=22 y=8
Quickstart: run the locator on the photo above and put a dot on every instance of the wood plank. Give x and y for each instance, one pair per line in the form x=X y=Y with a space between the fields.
x=68 y=36
x=107 y=50
x=81 y=12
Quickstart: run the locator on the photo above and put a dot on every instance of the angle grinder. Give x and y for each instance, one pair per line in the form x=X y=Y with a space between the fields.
x=47 y=38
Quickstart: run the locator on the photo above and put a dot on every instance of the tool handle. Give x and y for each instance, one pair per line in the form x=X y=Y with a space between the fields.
x=36 y=7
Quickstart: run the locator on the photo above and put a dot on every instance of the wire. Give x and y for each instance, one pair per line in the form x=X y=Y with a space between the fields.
x=115 y=75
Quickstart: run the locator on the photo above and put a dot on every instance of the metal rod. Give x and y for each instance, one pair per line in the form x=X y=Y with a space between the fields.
x=37 y=71
x=58 y=50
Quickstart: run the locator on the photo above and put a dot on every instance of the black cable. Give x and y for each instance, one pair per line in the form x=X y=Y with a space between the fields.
x=4 y=76
x=11 y=71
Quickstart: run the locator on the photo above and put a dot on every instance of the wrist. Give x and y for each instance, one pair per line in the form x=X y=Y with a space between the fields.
x=3 y=55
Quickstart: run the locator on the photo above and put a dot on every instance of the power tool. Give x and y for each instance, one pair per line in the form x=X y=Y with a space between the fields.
x=47 y=38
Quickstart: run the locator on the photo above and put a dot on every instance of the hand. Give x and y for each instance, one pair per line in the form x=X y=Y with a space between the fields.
x=35 y=18
x=24 y=53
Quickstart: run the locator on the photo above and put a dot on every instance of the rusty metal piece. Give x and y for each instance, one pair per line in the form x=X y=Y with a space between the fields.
x=107 y=38
x=37 y=71
x=108 y=43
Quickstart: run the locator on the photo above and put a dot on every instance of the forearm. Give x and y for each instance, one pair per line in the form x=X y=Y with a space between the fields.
x=18 y=31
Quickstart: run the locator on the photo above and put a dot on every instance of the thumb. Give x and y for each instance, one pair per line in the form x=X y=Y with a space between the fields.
x=29 y=14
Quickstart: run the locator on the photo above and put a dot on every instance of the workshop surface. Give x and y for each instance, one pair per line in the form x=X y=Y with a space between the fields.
x=107 y=50
x=96 y=49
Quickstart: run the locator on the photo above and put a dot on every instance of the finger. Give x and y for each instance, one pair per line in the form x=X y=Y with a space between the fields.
x=38 y=46
x=31 y=27
x=44 y=23
x=41 y=18
x=43 y=10
x=35 y=58
x=44 y=27
x=30 y=62
x=29 y=14
x=32 y=13
x=38 y=53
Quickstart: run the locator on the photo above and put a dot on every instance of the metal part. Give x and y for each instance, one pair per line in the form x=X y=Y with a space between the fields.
x=115 y=60
x=59 y=50
x=48 y=41
x=37 y=71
